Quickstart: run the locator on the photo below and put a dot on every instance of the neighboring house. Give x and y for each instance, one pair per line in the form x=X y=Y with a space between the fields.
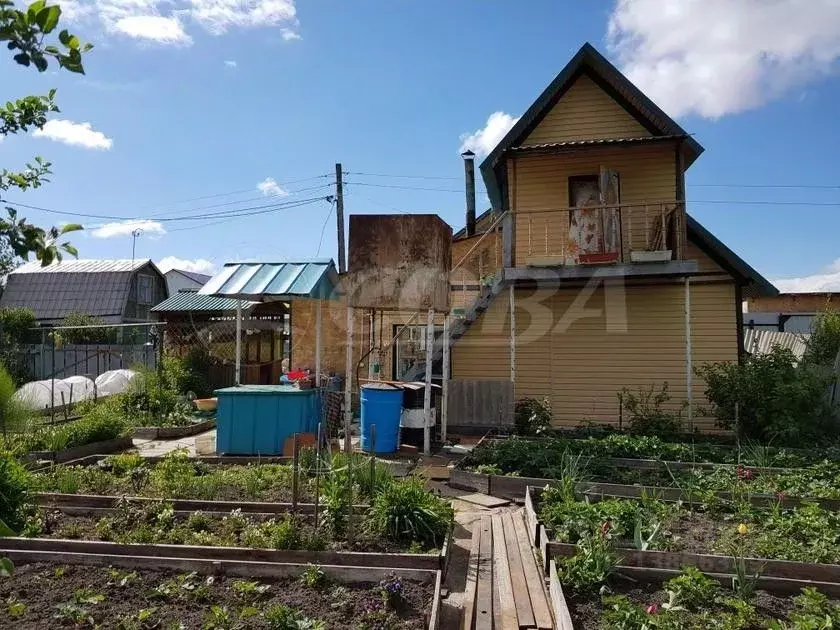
x=117 y=291
x=787 y=312
x=178 y=280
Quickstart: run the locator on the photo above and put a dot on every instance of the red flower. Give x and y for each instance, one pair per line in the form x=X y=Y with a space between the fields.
x=743 y=473
x=652 y=609
x=605 y=528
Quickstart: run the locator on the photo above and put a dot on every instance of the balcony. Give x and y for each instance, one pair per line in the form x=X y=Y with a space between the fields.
x=601 y=235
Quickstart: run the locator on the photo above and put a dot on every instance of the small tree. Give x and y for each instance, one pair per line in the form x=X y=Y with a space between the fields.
x=82 y=334
x=777 y=400
x=824 y=343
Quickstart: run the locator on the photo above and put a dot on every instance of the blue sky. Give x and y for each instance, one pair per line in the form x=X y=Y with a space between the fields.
x=209 y=97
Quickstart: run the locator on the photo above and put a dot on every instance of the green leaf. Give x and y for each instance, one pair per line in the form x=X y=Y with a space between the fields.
x=64 y=37
x=22 y=59
x=70 y=227
x=48 y=18
x=5 y=530
x=33 y=11
x=67 y=247
x=74 y=43
x=6 y=567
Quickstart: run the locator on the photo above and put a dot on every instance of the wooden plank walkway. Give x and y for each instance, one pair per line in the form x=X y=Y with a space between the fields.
x=505 y=588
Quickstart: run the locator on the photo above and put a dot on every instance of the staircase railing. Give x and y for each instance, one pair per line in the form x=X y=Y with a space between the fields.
x=477 y=268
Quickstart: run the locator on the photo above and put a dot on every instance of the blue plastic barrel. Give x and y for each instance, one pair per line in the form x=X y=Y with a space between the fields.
x=381 y=407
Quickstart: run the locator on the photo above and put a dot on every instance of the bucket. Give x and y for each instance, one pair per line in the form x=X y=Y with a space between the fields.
x=381 y=408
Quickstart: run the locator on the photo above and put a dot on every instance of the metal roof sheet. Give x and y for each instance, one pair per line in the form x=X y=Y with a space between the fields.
x=761 y=342
x=83 y=266
x=192 y=301
x=598 y=142
x=273 y=281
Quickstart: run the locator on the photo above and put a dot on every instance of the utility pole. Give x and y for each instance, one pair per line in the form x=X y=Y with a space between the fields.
x=339 y=217
x=134 y=234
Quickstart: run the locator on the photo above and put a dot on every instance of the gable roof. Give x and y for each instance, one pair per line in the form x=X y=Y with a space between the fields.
x=592 y=63
x=753 y=282
x=96 y=287
x=200 y=278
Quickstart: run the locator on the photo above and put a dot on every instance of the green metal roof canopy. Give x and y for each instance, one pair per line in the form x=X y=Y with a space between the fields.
x=274 y=282
x=189 y=301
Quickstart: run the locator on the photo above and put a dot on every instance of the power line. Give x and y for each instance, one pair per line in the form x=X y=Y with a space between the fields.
x=233 y=192
x=400 y=187
x=404 y=176
x=324 y=227
x=814 y=186
x=248 y=211
x=356 y=193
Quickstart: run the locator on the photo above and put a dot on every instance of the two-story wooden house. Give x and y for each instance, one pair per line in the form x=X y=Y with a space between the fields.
x=609 y=282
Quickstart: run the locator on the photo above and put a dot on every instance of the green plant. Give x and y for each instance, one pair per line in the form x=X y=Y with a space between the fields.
x=14 y=607
x=184 y=586
x=120 y=579
x=645 y=540
x=405 y=511
x=144 y=619
x=744 y=582
x=776 y=398
x=123 y=463
x=532 y=416
x=313 y=575
x=14 y=414
x=812 y=611
x=219 y=618
x=281 y=617
x=249 y=590
x=824 y=341
x=694 y=589
x=622 y=614
x=591 y=566
x=647 y=413
x=15 y=481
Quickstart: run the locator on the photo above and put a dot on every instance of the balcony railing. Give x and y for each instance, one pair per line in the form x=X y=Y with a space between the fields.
x=639 y=232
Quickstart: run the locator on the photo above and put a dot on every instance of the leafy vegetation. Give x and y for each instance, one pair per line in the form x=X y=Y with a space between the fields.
x=778 y=399
x=406 y=512
x=648 y=413
x=14 y=491
x=532 y=416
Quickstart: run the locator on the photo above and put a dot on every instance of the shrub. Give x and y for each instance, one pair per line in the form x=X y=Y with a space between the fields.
x=647 y=415
x=777 y=399
x=14 y=486
x=404 y=511
x=693 y=588
x=824 y=343
x=83 y=335
x=14 y=416
x=16 y=324
x=532 y=416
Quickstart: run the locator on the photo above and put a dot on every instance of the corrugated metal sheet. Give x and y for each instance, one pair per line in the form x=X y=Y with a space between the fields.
x=83 y=266
x=597 y=142
x=265 y=282
x=762 y=341
x=96 y=287
x=191 y=301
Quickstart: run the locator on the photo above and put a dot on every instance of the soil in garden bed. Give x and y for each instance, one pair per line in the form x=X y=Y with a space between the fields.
x=40 y=596
x=152 y=524
x=586 y=609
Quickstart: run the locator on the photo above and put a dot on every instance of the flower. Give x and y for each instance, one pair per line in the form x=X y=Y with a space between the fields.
x=605 y=528
x=743 y=529
x=743 y=473
x=652 y=609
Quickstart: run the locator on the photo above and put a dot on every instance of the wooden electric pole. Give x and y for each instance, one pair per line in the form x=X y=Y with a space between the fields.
x=339 y=217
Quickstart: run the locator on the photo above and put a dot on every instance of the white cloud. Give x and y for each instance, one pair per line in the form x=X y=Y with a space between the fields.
x=827 y=280
x=289 y=35
x=125 y=228
x=198 y=265
x=74 y=134
x=168 y=21
x=230 y=63
x=483 y=141
x=718 y=57
x=163 y=30
x=270 y=188
x=218 y=16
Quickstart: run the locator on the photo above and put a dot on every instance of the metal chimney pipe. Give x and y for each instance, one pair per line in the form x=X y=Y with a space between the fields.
x=469 y=177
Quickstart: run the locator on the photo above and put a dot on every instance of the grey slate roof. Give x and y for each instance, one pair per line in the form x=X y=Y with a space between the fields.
x=96 y=287
x=200 y=278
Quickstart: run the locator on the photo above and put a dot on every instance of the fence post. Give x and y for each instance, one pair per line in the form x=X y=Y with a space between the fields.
x=294 y=473
x=317 y=474
x=372 y=457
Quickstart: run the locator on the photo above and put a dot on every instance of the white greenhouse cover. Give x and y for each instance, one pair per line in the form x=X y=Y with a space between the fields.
x=38 y=394
x=115 y=382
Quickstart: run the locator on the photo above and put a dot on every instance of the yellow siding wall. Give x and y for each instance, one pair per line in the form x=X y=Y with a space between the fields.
x=581 y=347
x=538 y=183
x=586 y=112
x=706 y=264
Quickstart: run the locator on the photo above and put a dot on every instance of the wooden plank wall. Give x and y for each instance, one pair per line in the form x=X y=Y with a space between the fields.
x=477 y=403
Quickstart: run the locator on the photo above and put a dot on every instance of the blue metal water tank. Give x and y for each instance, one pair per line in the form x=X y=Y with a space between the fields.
x=257 y=419
x=381 y=407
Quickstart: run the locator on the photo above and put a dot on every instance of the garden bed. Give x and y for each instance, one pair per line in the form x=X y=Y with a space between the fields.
x=135 y=593
x=637 y=598
x=173 y=433
x=103 y=447
x=795 y=544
